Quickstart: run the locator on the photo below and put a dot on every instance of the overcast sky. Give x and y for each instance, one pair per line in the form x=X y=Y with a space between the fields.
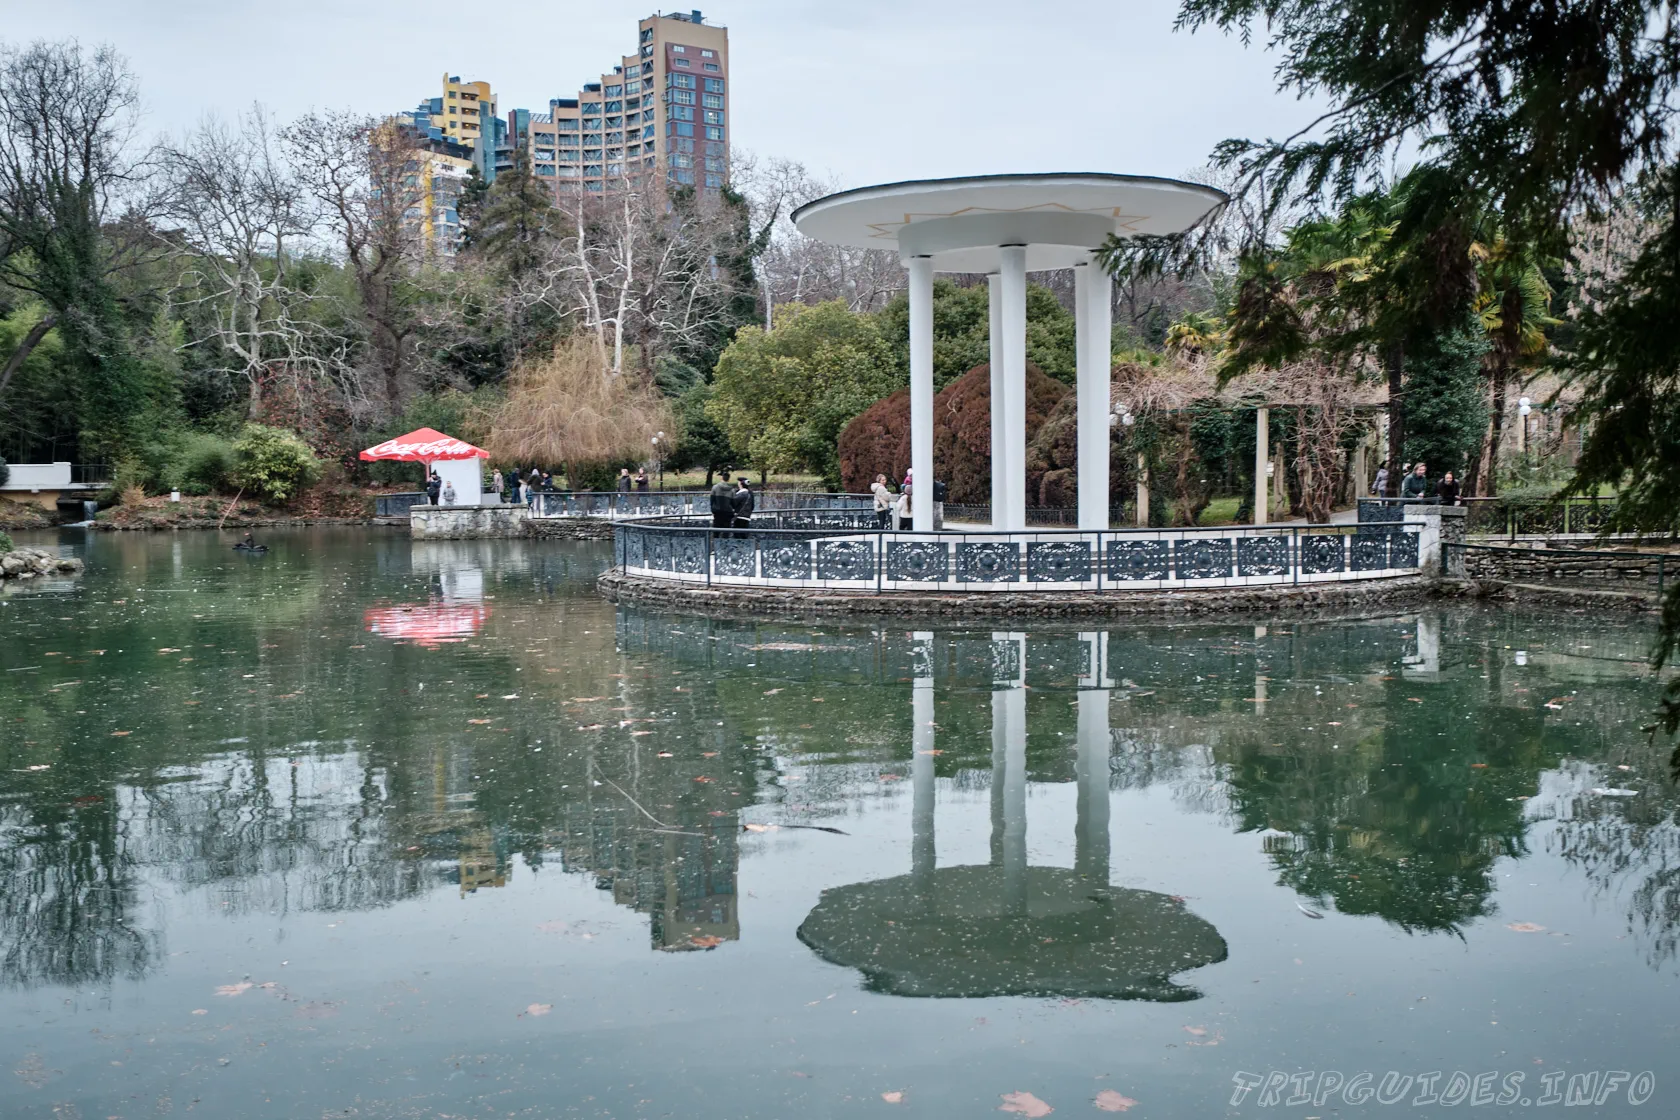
x=864 y=90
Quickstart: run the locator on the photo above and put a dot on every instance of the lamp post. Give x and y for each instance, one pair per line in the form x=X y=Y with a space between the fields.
x=1120 y=415
x=659 y=458
x=1524 y=407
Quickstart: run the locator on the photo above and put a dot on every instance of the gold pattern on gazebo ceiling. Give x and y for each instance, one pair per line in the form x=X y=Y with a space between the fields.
x=887 y=230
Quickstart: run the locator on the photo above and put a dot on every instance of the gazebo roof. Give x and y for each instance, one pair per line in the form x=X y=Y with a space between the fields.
x=961 y=223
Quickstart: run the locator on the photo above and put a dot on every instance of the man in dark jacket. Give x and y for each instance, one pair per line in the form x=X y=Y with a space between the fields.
x=743 y=501
x=624 y=480
x=434 y=486
x=723 y=503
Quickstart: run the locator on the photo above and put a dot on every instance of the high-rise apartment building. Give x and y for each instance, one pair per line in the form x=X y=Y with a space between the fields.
x=661 y=113
x=466 y=114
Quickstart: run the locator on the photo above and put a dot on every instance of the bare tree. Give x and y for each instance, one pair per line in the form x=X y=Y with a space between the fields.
x=796 y=269
x=237 y=215
x=365 y=176
x=637 y=267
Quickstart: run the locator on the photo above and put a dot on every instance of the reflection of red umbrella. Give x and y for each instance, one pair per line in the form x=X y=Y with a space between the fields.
x=424 y=445
x=427 y=624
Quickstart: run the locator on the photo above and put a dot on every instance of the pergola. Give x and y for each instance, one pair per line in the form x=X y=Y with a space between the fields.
x=1006 y=226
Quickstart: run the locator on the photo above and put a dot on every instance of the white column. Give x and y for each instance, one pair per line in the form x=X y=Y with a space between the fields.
x=921 y=393
x=1262 y=456
x=1013 y=711
x=1000 y=464
x=1092 y=293
x=1142 y=491
x=922 y=849
x=1012 y=277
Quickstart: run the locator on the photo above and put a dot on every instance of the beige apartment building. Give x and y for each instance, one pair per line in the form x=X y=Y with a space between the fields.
x=660 y=113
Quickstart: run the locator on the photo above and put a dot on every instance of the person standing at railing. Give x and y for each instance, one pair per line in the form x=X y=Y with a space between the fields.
x=641 y=480
x=743 y=502
x=434 y=485
x=449 y=493
x=496 y=483
x=883 y=501
x=1447 y=491
x=723 y=503
x=1379 y=488
x=532 y=485
x=903 y=510
x=1417 y=483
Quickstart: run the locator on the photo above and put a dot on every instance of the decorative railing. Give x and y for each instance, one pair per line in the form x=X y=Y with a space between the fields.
x=1643 y=573
x=1534 y=517
x=679 y=503
x=848 y=557
x=1036 y=515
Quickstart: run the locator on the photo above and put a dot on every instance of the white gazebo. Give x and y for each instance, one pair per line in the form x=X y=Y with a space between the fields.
x=1006 y=226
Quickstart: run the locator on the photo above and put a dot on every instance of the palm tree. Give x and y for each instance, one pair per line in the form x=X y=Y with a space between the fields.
x=1513 y=304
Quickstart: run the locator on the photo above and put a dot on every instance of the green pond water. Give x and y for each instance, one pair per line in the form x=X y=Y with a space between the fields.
x=366 y=827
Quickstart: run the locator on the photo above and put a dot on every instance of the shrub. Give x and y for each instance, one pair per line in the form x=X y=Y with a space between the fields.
x=131 y=473
x=201 y=463
x=5 y=473
x=5 y=541
x=878 y=440
x=132 y=496
x=273 y=464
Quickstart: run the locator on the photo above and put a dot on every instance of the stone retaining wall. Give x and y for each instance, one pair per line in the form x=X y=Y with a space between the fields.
x=570 y=528
x=1637 y=573
x=620 y=588
x=456 y=522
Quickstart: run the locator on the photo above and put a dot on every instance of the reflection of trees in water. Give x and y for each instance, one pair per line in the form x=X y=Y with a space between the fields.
x=69 y=899
x=275 y=834
x=1627 y=847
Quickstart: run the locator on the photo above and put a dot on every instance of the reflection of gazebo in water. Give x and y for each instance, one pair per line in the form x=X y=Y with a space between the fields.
x=1006 y=928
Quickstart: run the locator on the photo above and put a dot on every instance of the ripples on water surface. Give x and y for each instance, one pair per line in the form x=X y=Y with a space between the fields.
x=373 y=828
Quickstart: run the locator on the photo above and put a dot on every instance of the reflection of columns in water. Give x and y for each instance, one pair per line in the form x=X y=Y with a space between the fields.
x=1009 y=732
x=1091 y=830
x=923 y=853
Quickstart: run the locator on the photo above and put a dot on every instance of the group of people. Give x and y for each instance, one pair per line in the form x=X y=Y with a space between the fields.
x=515 y=490
x=439 y=492
x=626 y=483
x=732 y=506
x=1415 y=484
x=894 y=512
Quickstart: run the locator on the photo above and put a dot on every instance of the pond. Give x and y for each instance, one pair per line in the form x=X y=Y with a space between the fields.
x=367 y=827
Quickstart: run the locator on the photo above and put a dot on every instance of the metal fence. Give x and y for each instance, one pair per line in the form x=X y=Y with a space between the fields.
x=1523 y=517
x=397 y=505
x=681 y=503
x=834 y=549
x=1036 y=515
x=1592 y=569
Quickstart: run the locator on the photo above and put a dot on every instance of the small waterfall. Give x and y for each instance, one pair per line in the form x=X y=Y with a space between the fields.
x=89 y=509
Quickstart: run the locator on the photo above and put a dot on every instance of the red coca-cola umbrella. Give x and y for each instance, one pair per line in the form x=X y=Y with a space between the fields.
x=424 y=445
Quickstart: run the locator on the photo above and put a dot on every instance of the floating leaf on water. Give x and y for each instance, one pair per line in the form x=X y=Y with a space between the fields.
x=705 y=941
x=1110 y=1101
x=536 y=1009
x=893 y=1096
x=1024 y=1103
x=478 y=721
x=1526 y=927
x=201 y=1011
x=772 y=692
x=234 y=989
x=120 y=734
x=1307 y=912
